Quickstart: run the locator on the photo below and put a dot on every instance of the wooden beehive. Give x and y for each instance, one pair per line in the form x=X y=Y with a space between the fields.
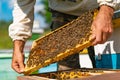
x=76 y=74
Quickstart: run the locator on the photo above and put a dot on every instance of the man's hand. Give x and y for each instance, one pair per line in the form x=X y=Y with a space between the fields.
x=102 y=26
x=18 y=56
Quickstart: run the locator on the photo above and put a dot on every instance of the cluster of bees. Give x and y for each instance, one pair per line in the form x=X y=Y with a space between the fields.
x=60 y=40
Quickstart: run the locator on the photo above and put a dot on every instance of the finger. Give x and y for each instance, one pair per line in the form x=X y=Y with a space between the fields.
x=98 y=38
x=105 y=37
x=16 y=67
x=22 y=66
x=110 y=33
x=92 y=36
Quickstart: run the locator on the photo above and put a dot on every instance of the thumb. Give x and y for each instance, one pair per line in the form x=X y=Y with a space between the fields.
x=92 y=36
x=22 y=66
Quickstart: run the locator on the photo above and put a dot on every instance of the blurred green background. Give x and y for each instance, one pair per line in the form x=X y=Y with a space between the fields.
x=43 y=15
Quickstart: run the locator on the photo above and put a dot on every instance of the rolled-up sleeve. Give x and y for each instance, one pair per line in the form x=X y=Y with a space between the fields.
x=23 y=16
x=112 y=3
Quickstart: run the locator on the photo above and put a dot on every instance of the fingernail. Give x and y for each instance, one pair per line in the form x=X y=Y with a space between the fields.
x=21 y=70
x=92 y=37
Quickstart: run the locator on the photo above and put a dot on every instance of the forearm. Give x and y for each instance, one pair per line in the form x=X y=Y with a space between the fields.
x=106 y=10
x=18 y=56
x=18 y=46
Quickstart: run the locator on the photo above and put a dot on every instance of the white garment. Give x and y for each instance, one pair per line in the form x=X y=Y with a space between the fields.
x=73 y=8
x=23 y=16
x=23 y=13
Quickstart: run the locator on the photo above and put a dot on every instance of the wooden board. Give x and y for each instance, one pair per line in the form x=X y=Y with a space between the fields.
x=32 y=78
x=110 y=76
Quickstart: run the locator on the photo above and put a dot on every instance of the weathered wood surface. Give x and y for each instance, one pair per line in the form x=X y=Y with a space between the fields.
x=32 y=78
x=110 y=76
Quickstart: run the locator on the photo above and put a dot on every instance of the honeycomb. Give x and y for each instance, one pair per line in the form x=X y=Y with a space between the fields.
x=76 y=74
x=65 y=41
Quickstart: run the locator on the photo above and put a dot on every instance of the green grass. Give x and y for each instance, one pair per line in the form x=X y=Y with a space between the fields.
x=5 y=41
x=36 y=35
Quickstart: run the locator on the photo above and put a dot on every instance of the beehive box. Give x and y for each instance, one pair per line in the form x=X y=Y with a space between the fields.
x=76 y=74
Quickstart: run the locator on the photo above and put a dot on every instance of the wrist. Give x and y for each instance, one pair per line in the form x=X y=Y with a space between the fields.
x=18 y=46
x=107 y=10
